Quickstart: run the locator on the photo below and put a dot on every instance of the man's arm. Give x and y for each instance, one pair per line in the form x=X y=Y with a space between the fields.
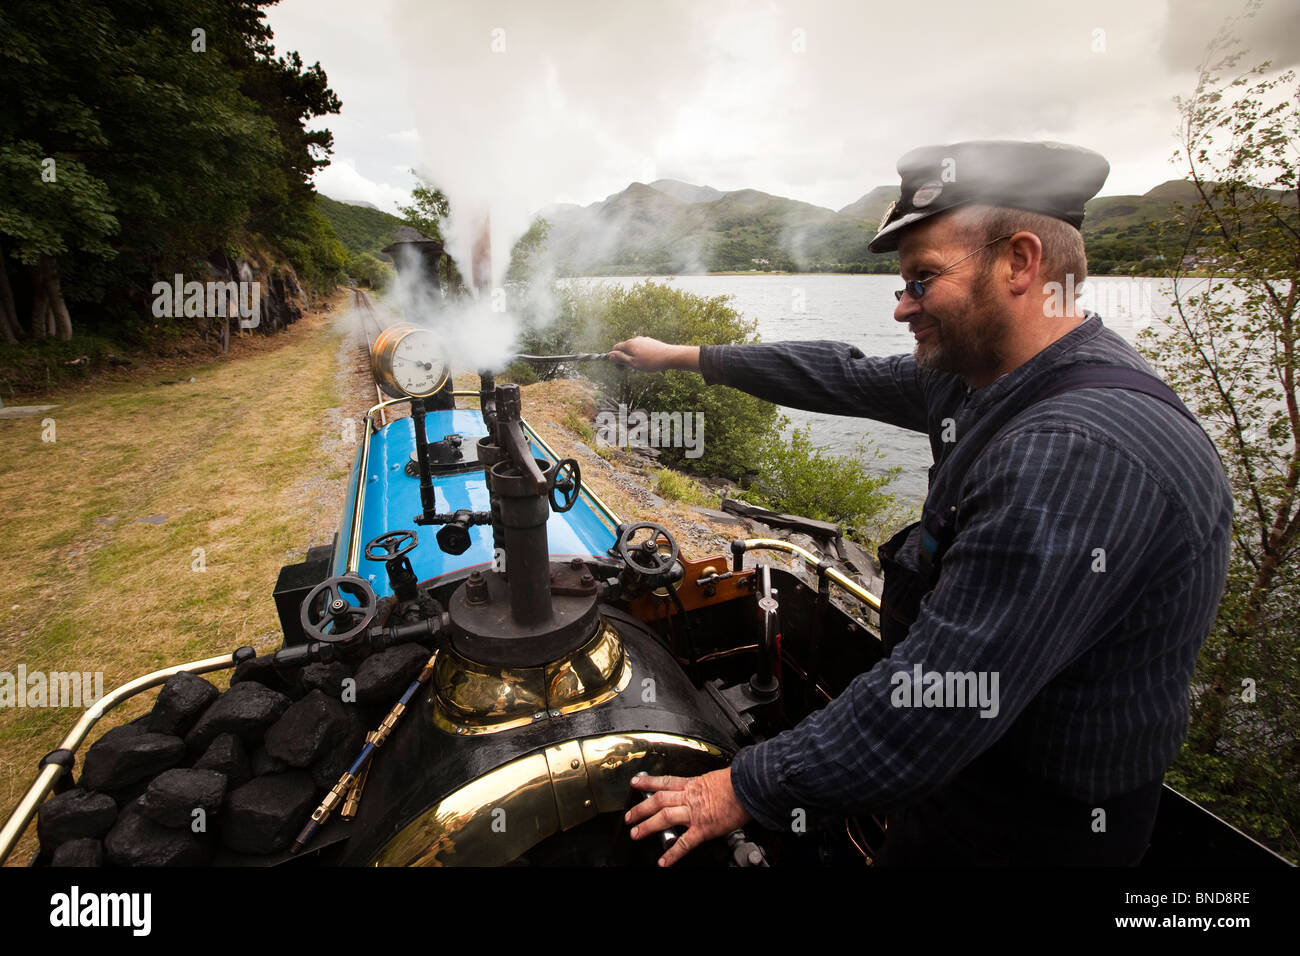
x=830 y=377
x=1019 y=597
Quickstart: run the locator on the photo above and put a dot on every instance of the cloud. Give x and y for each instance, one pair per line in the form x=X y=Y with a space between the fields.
x=341 y=180
x=1273 y=33
x=521 y=104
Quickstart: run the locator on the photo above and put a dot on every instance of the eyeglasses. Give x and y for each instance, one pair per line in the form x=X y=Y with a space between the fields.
x=917 y=286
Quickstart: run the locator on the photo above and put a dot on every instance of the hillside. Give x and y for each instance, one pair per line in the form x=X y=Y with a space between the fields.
x=653 y=229
x=685 y=191
x=360 y=228
x=873 y=205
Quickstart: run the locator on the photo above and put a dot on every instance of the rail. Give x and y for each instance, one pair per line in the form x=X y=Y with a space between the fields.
x=370 y=329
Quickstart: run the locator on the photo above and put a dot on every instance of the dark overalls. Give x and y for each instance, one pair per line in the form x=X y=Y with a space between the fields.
x=988 y=813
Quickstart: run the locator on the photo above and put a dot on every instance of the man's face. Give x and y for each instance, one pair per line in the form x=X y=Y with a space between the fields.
x=959 y=325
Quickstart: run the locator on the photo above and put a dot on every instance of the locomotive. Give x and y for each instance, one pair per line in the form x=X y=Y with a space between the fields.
x=474 y=671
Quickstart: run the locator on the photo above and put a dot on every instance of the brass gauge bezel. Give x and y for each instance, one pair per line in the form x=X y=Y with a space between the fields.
x=381 y=361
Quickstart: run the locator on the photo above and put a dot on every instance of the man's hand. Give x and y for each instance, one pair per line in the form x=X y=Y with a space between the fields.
x=706 y=806
x=650 y=355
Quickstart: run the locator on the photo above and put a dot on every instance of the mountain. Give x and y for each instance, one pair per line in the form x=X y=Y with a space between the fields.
x=685 y=191
x=873 y=205
x=1111 y=214
x=674 y=227
x=359 y=202
x=669 y=227
x=1174 y=190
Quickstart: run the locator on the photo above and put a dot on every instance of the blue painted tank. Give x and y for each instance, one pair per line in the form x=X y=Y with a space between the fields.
x=392 y=500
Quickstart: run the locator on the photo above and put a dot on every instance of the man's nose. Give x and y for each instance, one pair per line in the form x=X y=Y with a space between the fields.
x=907 y=307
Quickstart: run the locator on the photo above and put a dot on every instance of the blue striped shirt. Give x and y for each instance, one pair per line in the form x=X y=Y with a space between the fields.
x=1090 y=553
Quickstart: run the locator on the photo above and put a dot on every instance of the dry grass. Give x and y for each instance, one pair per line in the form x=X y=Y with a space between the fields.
x=235 y=461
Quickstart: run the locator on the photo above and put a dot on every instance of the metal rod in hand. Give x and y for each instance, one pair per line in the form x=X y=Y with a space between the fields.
x=374 y=741
x=575 y=357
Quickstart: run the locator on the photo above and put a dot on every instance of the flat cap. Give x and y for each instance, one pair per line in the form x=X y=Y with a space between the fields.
x=1050 y=178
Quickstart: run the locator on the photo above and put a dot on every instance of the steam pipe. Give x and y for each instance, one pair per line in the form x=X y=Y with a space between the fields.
x=487 y=401
x=523 y=517
x=520 y=483
x=427 y=500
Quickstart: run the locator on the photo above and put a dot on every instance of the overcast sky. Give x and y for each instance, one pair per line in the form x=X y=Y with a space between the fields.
x=510 y=105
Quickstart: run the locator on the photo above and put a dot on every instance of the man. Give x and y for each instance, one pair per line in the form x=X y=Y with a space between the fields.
x=1071 y=556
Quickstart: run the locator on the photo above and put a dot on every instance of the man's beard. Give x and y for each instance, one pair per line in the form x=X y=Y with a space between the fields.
x=970 y=342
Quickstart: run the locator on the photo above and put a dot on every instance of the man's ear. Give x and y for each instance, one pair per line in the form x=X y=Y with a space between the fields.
x=1026 y=261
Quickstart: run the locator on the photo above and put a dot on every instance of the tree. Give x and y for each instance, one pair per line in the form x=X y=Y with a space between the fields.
x=528 y=258
x=428 y=208
x=1230 y=348
x=136 y=140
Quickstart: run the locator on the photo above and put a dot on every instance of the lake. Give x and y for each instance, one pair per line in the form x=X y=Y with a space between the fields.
x=860 y=310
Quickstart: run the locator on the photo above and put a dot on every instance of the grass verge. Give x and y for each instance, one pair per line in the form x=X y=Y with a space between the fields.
x=151 y=529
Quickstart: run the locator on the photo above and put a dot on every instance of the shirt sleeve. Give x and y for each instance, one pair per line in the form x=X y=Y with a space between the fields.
x=1018 y=599
x=831 y=377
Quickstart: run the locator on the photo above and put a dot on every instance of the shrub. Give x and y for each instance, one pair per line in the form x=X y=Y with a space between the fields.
x=800 y=478
x=736 y=425
x=553 y=319
x=316 y=253
x=520 y=373
x=371 y=271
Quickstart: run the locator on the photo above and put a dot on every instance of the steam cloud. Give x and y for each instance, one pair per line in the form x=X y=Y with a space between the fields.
x=472 y=336
x=508 y=94
x=522 y=104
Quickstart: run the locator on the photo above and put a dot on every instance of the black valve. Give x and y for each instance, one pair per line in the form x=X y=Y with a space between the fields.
x=329 y=617
x=567 y=481
x=453 y=537
x=645 y=558
x=392 y=548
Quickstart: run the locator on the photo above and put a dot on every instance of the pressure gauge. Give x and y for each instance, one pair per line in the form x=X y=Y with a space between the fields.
x=406 y=361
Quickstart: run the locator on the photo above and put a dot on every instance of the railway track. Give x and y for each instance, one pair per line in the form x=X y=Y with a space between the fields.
x=370 y=329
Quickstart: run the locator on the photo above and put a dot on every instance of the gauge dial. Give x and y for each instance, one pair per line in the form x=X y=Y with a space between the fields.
x=408 y=361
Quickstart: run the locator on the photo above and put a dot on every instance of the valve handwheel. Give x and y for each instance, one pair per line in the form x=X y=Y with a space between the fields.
x=646 y=558
x=391 y=545
x=328 y=616
x=567 y=480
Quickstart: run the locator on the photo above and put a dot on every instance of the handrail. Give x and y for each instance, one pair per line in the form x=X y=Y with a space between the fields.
x=836 y=575
x=359 y=496
x=50 y=772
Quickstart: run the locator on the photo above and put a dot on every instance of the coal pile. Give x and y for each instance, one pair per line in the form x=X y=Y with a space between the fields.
x=207 y=775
